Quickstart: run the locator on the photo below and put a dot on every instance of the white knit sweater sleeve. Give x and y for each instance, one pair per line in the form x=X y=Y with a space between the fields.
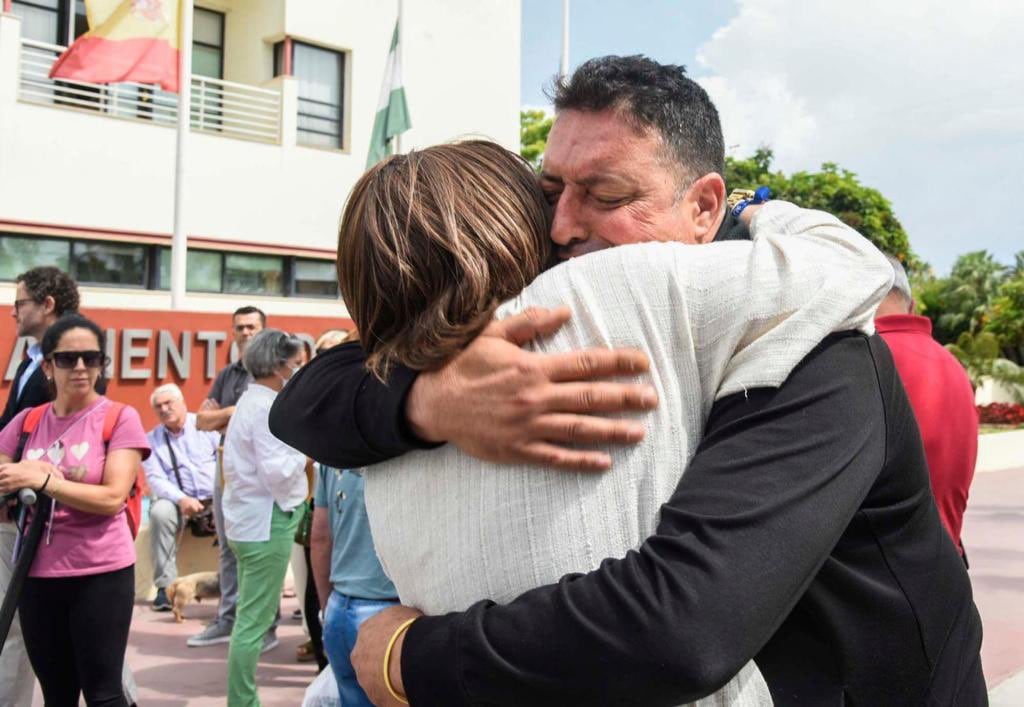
x=757 y=308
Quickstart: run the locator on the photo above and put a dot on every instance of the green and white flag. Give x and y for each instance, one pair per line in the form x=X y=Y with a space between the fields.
x=392 y=113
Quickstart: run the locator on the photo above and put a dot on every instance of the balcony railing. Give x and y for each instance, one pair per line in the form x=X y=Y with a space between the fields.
x=218 y=107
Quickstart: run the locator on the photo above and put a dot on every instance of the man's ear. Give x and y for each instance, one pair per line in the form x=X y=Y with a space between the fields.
x=707 y=194
x=49 y=304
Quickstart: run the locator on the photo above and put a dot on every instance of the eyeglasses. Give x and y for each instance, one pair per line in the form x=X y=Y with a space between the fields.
x=69 y=359
x=19 y=303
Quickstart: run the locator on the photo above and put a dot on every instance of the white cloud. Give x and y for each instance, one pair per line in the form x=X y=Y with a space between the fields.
x=912 y=95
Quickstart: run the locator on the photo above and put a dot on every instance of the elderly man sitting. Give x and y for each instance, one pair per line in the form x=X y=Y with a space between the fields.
x=180 y=474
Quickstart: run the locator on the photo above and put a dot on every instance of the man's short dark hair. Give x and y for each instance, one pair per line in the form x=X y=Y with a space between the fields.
x=251 y=310
x=651 y=95
x=48 y=281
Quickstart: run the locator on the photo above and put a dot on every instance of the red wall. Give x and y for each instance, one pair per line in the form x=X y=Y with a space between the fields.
x=136 y=392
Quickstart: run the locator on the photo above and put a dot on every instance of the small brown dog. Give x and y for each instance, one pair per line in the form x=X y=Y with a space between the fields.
x=198 y=586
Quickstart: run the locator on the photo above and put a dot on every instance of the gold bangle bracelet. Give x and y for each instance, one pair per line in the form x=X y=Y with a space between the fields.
x=387 y=660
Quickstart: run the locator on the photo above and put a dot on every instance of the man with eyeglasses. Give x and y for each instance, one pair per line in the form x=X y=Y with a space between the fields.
x=42 y=295
x=214 y=415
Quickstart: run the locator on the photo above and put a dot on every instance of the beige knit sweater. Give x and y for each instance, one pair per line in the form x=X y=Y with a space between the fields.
x=714 y=319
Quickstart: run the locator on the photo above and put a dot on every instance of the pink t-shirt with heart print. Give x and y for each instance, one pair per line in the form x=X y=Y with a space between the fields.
x=75 y=542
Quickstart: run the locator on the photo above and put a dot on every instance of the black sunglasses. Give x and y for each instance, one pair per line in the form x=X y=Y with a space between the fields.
x=69 y=359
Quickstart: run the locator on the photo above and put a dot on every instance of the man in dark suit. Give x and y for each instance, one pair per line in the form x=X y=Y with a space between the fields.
x=43 y=295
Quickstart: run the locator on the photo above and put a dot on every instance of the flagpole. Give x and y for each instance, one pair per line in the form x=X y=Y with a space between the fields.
x=563 y=70
x=179 y=243
x=398 y=56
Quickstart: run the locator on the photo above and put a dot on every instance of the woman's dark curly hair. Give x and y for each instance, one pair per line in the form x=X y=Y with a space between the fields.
x=48 y=281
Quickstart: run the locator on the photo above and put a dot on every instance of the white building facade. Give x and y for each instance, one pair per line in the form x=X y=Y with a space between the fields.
x=284 y=97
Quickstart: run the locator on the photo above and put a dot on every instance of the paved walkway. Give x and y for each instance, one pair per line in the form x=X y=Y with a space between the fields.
x=993 y=535
x=171 y=675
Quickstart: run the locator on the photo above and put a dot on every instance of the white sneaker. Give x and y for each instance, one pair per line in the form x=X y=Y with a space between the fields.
x=270 y=641
x=214 y=633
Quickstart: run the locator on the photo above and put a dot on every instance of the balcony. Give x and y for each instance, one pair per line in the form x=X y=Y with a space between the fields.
x=219 y=107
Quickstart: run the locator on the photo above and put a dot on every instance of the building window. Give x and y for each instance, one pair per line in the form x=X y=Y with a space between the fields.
x=18 y=254
x=314 y=278
x=47 y=20
x=204 y=270
x=208 y=43
x=121 y=264
x=40 y=20
x=253 y=274
x=320 y=73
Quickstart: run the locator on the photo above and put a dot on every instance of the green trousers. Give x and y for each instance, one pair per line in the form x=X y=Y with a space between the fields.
x=261 y=570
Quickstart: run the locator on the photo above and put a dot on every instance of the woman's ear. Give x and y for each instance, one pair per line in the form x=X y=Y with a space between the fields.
x=47 y=367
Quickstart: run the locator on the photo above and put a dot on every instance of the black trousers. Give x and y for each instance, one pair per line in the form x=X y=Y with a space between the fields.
x=311 y=610
x=76 y=631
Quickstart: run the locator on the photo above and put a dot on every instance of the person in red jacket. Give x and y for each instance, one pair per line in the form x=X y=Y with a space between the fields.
x=942 y=398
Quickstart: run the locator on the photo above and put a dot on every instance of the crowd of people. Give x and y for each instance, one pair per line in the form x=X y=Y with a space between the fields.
x=214 y=472
x=773 y=519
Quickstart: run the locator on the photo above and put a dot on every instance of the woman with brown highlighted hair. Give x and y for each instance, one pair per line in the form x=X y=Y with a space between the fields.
x=435 y=244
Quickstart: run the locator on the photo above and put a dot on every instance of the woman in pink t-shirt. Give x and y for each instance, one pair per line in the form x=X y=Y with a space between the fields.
x=76 y=605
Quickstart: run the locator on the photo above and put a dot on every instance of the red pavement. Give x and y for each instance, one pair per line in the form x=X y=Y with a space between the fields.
x=172 y=675
x=993 y=535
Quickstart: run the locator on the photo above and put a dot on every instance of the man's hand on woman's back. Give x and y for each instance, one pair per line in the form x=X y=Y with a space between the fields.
x=501 y=403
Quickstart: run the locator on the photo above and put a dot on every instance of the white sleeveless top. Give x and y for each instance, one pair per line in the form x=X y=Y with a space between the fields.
x=451 y=530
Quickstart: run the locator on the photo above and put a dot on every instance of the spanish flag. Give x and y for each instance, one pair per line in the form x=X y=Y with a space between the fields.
x=128 y=40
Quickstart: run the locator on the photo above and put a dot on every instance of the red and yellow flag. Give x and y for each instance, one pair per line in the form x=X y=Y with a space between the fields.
x=128 y=40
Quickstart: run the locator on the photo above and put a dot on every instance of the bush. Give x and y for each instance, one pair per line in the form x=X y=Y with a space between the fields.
x=1001 y=414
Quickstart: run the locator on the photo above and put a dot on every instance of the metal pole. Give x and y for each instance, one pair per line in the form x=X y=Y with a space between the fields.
x=179 y=244
x=563 y=69
x=71 y=22
x=398 y=61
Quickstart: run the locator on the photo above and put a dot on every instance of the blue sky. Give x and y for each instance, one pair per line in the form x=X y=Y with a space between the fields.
x=667 y=31
x=923 y=100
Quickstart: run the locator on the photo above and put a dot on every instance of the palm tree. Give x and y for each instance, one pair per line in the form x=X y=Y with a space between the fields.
x=972 y=285
x=979 y=354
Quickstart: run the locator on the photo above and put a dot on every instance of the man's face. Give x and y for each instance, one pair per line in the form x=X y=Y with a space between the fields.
x=244 y=327
x=610 y=185
x=31 y=317
x=171 y=410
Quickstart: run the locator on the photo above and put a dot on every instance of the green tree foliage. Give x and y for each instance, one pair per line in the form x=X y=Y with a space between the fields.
x=1005 y=316
x=979 y=354
x=835 y=190
x=534 y=127
x=973 y=284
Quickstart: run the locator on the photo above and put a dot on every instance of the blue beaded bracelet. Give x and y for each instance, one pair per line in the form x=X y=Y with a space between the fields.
x=761 y=195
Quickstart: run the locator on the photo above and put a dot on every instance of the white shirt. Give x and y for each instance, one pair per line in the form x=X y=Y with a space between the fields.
x=259 y=469
x=35 y=354
x=713 y=319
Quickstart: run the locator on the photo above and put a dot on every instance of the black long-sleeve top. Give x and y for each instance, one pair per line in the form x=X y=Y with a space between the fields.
x=803 y=534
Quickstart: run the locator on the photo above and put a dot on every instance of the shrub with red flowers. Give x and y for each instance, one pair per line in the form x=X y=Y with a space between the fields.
x=1001 y=414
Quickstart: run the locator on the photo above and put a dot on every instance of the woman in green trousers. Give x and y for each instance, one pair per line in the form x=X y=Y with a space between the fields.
x=264 y=489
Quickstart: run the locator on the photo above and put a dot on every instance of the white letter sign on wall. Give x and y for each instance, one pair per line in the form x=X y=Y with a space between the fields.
x=129 y=351
x=182 y=357
x=136 y=347
x=211 y=339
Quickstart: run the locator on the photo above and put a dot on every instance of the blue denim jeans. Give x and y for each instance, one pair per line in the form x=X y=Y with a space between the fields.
x=341 y=624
